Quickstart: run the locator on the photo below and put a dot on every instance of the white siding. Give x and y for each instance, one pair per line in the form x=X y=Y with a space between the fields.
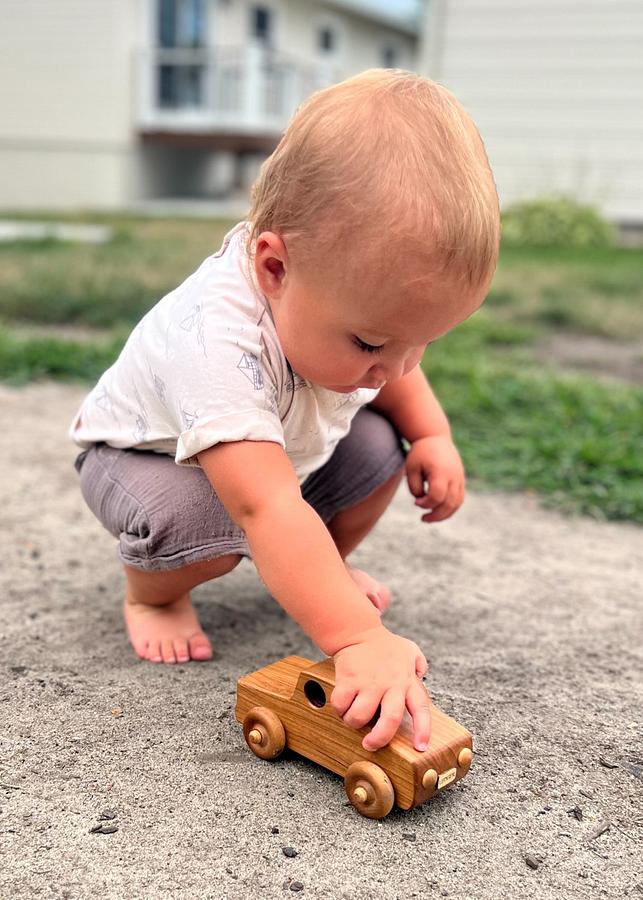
x=556 y=89
x=70 y=88
x=66 y=133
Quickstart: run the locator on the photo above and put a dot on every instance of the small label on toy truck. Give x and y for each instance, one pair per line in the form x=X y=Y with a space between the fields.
x=447 y=777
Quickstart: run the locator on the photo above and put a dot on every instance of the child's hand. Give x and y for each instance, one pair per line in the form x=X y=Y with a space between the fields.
x=436 y=460
x=382 y=668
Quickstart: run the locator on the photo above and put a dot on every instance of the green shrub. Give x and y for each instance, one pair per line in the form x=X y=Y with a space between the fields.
x=555 y=222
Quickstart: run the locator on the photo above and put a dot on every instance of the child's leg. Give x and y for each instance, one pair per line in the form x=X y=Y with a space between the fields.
x=349 y=526
x=161 y=622
x=352 y=490
x=173 y=534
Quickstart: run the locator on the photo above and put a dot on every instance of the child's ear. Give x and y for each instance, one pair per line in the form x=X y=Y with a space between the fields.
x=270 y=263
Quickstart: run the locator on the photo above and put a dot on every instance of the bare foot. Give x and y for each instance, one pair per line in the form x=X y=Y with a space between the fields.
x=168 y=634
x=378 y=593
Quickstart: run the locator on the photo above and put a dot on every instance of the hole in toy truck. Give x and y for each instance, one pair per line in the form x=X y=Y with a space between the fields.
x=315 y=693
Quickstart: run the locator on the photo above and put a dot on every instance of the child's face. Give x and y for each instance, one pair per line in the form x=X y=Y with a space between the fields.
x=327 y=333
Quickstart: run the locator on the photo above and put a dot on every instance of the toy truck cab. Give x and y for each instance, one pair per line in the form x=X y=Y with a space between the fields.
x=287 y=703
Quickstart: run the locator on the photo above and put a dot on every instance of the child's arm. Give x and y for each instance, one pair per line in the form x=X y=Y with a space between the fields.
x=302 y=568
x=415 y=411
x=412 y=407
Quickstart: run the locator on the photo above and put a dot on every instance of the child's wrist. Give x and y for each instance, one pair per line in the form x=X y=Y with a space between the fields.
x=355 y=637
x=434 y=434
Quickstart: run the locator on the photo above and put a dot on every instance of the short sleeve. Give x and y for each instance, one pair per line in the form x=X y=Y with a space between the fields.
x=219 y=384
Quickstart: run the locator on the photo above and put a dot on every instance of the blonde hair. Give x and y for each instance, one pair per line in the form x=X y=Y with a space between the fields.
x=386 y=160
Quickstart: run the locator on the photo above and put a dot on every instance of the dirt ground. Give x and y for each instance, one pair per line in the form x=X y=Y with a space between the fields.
x=533 y=627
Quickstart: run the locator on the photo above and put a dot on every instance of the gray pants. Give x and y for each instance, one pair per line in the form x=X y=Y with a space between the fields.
x=167 y=516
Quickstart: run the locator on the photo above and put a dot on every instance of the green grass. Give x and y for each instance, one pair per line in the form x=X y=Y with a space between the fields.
x=107 y=284
x=23 y=360
x=591 y=291
x=574 y=440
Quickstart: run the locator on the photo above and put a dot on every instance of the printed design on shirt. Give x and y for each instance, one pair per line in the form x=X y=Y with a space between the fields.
x=251 y=368
x=159 y=387
x=189 y=418
x=104 y=401
x=296 y=383
x=195 y=321
x=345 y=399
x=223 y=248
x=142 y=422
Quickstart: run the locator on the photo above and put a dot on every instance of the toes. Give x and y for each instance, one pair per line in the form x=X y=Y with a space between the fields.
x=181 y=650
x=154 y=651
x=200 y=647
x=141 y=649
x=167 y=651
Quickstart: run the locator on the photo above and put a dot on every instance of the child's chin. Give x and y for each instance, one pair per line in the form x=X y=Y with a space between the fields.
x=339 y=389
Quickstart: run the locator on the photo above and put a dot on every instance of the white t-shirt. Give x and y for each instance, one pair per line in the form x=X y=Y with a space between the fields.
x=205 y=365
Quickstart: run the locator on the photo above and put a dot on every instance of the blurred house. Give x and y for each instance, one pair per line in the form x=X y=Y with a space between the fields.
x=556 y=89
x=114 y=103
x=108 y=103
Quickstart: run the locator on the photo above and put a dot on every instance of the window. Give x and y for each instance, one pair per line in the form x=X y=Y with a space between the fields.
x=389 y=56
x=326 y=40
x=181 y=23
x=261 y=23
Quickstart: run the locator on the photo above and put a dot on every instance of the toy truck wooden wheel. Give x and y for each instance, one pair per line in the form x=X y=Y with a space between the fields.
x=369 y=789
x=264 y=732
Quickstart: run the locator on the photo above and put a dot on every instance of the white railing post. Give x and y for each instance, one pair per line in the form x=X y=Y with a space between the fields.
x=253 y=85
x=146 y=81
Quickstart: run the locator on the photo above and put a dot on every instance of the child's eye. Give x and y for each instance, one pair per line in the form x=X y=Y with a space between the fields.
x=367 y=348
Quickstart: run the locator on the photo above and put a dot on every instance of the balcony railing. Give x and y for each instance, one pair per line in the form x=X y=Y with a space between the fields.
x=249 y=89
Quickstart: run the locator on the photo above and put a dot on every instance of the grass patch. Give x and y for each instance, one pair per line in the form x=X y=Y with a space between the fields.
x=27 y=359
x=595 y=291
x=103 y=285
x=573 y=440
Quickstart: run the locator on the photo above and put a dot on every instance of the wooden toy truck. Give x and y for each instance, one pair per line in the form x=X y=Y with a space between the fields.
x=288 y=704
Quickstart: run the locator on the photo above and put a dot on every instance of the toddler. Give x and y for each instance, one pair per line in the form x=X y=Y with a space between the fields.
x=270 y=405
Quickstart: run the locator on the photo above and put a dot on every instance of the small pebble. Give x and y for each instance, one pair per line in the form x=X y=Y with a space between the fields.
x=588 y=794
x=409 y=836
x=607 y=763
x=108 y=814
x=274 y=830
x=289 y=851
x=296 y=886
x=576 y=812
x=532 y=861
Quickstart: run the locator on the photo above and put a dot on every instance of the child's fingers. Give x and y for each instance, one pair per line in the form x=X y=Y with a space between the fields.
x=341 y=698
x=392 y=708
x=419 y=706
x=415 y=479
x=436 y=494
x=452 y=501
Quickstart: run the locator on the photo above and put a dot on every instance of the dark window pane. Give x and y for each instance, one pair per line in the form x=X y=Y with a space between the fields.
x=261 y=23
x=180 y=23
x=326 y=39
x=167 y=86
x=389 y=57
x=167 y=23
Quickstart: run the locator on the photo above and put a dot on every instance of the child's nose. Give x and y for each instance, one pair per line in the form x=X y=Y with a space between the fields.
x=388 y=371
